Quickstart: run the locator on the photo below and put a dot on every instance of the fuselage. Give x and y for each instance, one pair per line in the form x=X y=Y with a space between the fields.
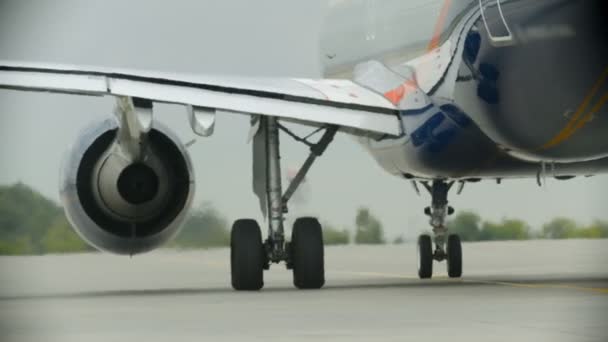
x=518 y=87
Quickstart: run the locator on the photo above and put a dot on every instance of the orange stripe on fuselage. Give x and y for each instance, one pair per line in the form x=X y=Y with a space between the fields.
x=434 y=43
x=589 y=116
x=578 y=120
x=397 y=94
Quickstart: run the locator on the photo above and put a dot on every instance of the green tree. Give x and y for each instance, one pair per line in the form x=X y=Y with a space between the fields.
x=590 y=232
x=334 y=236
x=24 y=219
x=61 y=238
x=205 y=227
x=467 y=225
x=602 y=227
x=369 y=229
x=559 y=228
x=18 y=246
x=594 y=231
x=507 y=229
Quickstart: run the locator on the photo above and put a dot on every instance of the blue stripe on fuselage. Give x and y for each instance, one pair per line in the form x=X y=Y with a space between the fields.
x=440 y=129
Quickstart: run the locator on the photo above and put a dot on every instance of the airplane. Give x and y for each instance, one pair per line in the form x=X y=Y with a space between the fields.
x=497 y=89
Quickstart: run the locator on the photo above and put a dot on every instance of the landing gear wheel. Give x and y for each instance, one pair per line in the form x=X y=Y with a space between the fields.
x=425 y=257
x=306 y=250
x=454 y=256
x=247 y=257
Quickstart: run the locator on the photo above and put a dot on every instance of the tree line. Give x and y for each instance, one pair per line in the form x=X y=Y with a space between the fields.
x=471 y=227
x=33 y=224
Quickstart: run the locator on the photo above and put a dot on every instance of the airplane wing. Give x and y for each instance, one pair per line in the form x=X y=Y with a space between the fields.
x=324 y=101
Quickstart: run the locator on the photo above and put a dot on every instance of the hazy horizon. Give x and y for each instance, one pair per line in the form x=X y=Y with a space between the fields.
x=231 y=37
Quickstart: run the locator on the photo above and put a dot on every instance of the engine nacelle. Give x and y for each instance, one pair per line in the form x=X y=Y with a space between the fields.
x=121 y=206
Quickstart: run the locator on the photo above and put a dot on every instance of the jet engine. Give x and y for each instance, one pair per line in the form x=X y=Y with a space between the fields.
x=121 y=205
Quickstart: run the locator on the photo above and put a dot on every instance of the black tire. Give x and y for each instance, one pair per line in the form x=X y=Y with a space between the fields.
x=454 y=256
x=307 y=256
x=425 y=257
x=247 y=256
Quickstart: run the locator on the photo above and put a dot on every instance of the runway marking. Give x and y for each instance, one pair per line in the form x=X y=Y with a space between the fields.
x=543 y=286
x=375 y=274
x=601 y=290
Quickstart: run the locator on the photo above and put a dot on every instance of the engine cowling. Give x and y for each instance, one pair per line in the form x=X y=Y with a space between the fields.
x=123 y=206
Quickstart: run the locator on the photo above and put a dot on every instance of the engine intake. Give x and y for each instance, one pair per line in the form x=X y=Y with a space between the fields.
x=124 y=206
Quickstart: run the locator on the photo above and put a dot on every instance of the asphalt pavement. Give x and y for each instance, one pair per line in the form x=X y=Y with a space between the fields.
x=510 y=291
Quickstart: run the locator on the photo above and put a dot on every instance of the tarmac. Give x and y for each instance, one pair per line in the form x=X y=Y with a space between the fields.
x=510 y=291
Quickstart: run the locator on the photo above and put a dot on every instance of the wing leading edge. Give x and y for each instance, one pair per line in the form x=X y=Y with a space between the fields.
x=336 y=102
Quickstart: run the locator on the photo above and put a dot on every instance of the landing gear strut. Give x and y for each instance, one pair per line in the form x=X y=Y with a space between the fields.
x=447 y=247
x=304 y=253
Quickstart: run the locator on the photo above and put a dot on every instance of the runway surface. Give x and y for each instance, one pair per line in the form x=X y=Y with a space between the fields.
x=511 y=291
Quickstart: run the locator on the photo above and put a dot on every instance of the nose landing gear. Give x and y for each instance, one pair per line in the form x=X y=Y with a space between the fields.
x=447 y=246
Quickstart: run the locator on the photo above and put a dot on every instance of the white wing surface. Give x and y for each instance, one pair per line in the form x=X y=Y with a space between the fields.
x=324 y=101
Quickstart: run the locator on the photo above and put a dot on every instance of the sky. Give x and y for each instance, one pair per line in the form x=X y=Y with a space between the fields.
x=234 y=37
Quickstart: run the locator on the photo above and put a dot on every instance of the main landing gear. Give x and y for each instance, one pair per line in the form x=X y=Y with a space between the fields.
x=249 y=255
x=447 y=246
